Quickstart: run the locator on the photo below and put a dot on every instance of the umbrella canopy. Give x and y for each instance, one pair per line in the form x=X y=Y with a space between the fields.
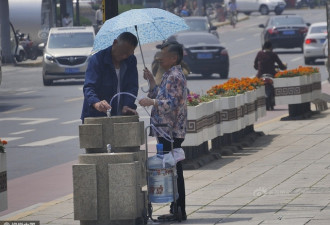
x=153 y=24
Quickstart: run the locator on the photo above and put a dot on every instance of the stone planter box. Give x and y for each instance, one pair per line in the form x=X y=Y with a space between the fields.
x=217 y=109
x=209 y=130
x=241 y=111
x=225 y=115
x=250 y=111
x=200 y=124
x=316 y=85
x=228 y=114
x=293 y=90
x=195 y=112
x=3 y=182
x=260 y=102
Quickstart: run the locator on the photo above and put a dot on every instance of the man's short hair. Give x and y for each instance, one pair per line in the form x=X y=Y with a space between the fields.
x=174 y=47
x=129 y=38
x=267 y=45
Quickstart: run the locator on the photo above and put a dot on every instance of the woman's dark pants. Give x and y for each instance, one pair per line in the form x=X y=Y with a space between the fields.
x=180 y=181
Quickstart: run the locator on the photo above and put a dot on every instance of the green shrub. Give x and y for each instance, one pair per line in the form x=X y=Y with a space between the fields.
x=83 y=21
x=124 y=8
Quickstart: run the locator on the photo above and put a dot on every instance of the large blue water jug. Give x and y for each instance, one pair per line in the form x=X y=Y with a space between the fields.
x=160 y=181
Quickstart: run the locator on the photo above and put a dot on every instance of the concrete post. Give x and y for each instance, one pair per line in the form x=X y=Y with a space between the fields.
x=3 y=182
x=108 y=186
x=5 y=32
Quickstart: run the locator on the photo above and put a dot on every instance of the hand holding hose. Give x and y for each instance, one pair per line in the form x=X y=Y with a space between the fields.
x=102 y=106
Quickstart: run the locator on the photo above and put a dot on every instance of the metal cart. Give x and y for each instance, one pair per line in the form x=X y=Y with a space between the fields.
x=177 y=214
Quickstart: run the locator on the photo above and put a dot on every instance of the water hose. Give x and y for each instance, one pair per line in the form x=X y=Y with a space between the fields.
x=157 y=129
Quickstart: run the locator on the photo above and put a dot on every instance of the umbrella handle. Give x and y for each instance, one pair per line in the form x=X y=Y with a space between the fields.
x=145 y=91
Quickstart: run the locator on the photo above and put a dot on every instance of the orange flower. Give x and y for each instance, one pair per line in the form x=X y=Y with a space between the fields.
x=300 y=71
x=2 y=145
x=235 y=85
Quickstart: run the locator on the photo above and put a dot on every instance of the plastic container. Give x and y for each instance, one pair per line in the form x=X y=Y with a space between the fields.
x=159 y=148
x=160 y=182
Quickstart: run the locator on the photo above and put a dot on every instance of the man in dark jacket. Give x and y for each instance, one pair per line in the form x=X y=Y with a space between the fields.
x=266 y=59
x=109 y=72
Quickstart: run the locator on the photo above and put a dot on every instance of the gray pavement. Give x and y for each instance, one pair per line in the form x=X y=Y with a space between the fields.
x=240 y=17
x=283 y=178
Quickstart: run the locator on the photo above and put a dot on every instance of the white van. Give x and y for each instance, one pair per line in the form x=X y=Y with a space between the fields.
x=262 y=6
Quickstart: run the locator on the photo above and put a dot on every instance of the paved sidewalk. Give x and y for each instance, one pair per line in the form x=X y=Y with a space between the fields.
x=284 y=178
x=240 y=17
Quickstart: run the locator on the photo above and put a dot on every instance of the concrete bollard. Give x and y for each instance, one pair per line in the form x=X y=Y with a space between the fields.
x=3 y=182
x=108 y=186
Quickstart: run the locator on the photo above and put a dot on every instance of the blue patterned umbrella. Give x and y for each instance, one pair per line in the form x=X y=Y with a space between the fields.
x=152 y=24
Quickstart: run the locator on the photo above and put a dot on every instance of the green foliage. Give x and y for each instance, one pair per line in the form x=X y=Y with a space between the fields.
x=124 y=8
x=84 y=21
x=229 y=93
x=95 y=6
x=207 y=98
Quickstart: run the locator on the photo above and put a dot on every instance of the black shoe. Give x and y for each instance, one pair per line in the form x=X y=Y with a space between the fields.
x=184 y=217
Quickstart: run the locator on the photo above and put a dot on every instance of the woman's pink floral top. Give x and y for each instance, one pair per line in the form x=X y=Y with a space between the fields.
x=171 y=96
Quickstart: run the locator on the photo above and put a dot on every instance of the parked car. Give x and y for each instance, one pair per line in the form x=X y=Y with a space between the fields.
x=263 y=6
x=66 y=53
x=305 y=3
x=203 y=53
x=284 y=31
x=314 y=40
x=200 y=23
x=325 y=48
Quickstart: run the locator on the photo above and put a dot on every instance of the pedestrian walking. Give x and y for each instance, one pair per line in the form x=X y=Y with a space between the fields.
x=99 y=16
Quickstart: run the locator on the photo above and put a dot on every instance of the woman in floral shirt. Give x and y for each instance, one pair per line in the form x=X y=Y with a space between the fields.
x=169 y=101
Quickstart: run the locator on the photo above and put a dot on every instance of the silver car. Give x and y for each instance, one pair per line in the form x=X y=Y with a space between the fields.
x=200 y=24
x=314 y=41
x=66 y=53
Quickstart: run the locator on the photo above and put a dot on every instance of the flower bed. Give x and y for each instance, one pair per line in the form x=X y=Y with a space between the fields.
x=297 y=86
x=226 y=108
x=230 y=109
